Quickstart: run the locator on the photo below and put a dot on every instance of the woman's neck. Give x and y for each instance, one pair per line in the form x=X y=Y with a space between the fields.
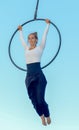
x=32 y=47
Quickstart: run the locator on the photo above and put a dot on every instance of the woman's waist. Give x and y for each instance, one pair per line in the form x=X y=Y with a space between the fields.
x=33 y=68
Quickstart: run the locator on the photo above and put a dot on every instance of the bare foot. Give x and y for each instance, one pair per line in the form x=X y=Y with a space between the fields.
x=48 y=120
x=43 y=120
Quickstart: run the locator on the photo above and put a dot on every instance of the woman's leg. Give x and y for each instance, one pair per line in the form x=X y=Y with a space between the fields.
x=40 y=93
x=32 y=96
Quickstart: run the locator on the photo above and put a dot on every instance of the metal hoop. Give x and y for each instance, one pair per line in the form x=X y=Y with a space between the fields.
x=9 y=48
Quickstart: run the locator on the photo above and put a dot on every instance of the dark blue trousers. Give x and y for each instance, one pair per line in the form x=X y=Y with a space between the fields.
x=36 y=84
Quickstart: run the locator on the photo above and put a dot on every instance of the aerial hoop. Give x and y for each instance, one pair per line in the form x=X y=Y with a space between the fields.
x=59 y=46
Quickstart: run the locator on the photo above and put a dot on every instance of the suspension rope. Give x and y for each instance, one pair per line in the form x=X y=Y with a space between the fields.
x=35 y=14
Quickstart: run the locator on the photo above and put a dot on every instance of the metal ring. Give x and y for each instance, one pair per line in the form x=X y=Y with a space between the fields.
x=9 y=48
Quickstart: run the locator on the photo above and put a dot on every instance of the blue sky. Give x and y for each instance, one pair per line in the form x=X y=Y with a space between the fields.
x=62 y=93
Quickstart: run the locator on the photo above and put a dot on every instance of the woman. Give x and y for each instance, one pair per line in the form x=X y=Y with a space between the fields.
x=35 y=80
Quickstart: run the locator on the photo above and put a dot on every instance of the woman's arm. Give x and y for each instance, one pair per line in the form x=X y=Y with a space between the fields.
x=22 y=38
x=43 y=41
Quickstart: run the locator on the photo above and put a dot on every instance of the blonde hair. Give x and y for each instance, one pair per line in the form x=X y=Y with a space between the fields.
x=35 y=34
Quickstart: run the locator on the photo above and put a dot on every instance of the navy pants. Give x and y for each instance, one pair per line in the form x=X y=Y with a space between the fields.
x=36 y=85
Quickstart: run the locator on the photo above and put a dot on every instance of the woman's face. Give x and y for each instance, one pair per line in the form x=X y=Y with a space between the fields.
x=32 y=40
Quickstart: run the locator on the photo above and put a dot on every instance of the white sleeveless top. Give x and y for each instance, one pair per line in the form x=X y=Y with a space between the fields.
x=34 y=55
